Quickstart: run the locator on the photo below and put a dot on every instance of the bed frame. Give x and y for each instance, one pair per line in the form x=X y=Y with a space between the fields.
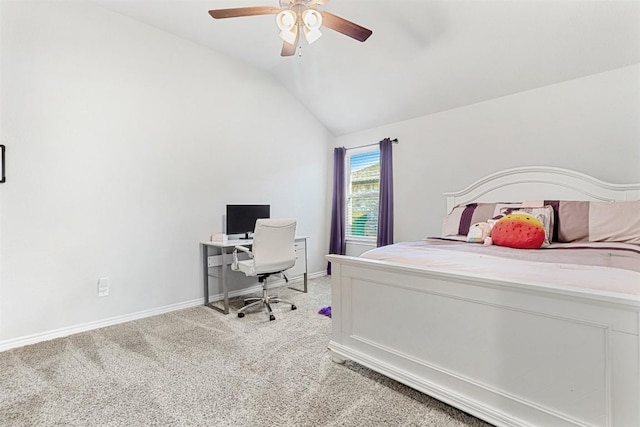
x=513 y=354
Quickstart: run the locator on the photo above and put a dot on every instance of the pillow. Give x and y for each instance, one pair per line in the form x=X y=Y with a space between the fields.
x=580 y=221
x=544 y=214
x=614 y=222
x=573 y=221
x=459 y=220
x=518 y=230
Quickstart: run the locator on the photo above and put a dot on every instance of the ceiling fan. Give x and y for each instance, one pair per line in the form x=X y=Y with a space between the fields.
x=296 y=16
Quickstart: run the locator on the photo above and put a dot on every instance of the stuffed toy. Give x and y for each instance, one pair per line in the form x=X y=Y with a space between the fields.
x=518 y=230
x=479 y=232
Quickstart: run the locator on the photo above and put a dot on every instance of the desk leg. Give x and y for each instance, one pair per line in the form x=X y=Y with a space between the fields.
x=305 y=276
x=304 y=285
x=205 y=272
x=205 y=269
x=306 y=267
x=225 y=288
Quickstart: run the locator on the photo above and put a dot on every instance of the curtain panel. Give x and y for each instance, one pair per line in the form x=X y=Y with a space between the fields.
x=385 y=205
x=337 y=243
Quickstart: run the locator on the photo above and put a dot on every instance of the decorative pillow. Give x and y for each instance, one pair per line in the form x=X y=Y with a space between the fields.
x=518 y=230
x=459 y=220
x=544 y=214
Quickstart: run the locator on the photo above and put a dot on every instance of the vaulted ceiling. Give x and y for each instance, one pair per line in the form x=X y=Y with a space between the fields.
x=423 y=57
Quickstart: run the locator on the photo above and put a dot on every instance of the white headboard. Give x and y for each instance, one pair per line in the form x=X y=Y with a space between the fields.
x=540 y=183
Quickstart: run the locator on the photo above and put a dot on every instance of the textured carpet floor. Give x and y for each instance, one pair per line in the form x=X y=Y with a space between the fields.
x=196 y=367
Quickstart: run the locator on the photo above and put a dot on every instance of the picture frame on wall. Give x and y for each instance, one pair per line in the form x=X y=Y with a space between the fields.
x=2 y=168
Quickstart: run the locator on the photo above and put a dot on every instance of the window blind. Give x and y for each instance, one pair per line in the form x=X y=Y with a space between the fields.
x=363 y=193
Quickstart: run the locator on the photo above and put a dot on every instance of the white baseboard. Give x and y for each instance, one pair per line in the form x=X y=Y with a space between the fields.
x=317 y=274
x=63 y=332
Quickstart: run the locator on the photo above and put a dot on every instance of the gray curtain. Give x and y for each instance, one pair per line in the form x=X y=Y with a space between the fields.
x=337 y=243
x=385 y=205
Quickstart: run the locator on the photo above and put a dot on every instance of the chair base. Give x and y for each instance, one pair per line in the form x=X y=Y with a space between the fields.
x=250 y=303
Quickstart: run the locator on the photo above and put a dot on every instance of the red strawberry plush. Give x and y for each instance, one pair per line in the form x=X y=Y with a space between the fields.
x=518 y=230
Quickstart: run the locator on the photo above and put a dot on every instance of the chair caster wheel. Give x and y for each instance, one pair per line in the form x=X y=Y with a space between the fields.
x=293 y=307
x=240 y=314
x=272 y=317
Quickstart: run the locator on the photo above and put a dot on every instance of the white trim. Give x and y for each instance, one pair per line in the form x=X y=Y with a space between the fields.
x=362 y=149
x=71 y=330
x=547 y=170
x=349 y=196
x=584 y=187
x=63 y=332
x=360 y=239
x=316 y=275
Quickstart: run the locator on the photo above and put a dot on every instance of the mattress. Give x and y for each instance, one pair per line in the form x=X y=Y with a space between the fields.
x=603 y=268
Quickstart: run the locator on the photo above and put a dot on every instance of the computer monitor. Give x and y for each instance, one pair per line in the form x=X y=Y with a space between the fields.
x=241 y=219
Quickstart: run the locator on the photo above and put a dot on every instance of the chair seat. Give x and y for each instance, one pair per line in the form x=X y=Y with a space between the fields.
x=248 y=267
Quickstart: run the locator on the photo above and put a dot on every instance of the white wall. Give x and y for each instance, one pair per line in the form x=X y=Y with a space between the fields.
x=124 y=146
x=591 y=125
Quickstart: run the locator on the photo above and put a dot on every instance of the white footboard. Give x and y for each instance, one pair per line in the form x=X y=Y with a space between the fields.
x=511 y=354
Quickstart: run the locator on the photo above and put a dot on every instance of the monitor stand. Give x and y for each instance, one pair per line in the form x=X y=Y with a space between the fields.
x=246 y=237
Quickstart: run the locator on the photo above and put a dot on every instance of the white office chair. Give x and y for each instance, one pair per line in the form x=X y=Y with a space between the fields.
x=273 y=252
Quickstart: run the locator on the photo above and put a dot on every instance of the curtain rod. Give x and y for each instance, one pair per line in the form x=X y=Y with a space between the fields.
x=395 y=141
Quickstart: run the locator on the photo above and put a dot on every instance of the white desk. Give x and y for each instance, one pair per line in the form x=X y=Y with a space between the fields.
x=222 y=249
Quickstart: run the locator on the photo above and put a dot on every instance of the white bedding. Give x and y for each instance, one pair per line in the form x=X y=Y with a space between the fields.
x=488 y=262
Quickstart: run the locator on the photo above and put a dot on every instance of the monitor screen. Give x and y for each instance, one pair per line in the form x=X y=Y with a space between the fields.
x=241 y=219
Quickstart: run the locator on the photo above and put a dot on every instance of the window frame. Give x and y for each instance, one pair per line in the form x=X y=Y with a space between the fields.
x=348 y=195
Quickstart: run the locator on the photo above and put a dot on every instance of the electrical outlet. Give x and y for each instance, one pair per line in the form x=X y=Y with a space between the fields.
x=103 y=287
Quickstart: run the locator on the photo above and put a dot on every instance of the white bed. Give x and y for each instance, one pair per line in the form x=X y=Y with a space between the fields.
x=513 y=352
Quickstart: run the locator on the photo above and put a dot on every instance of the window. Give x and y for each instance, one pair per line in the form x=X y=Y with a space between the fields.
x=363 y=192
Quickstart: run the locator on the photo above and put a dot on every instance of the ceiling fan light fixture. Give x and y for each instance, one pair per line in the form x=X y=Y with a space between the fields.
x=286 y=20
x=312 y=35
x=312 y=20
x=289 y=36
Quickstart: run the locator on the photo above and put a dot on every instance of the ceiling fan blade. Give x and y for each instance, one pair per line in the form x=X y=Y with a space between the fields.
x=244 y=11
x=289 y=49
x=345 y=27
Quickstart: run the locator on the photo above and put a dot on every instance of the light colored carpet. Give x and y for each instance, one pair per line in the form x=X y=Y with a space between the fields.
x=197 y=367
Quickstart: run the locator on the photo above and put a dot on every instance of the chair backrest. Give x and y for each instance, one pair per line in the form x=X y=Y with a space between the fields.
x=273 y=245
